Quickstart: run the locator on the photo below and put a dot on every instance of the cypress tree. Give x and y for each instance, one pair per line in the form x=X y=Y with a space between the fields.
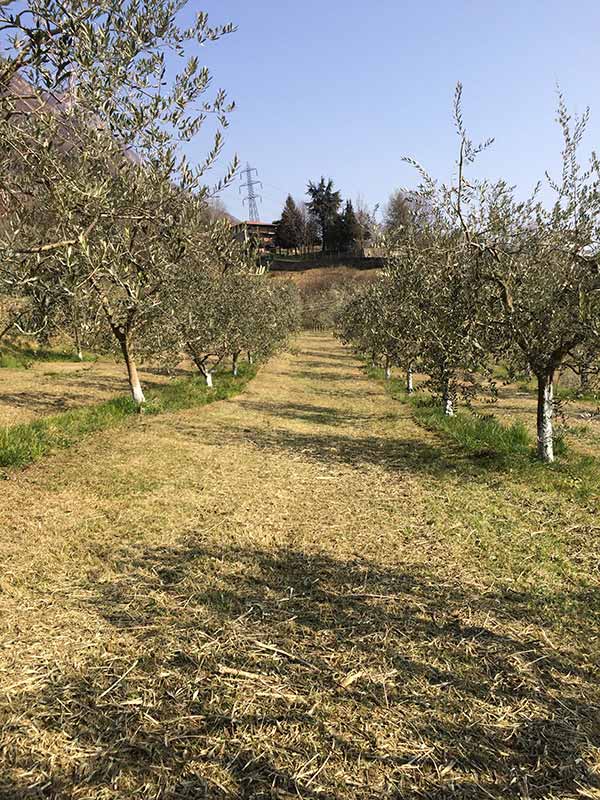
x=349 y=229
x=323 y=206
x=289 y=228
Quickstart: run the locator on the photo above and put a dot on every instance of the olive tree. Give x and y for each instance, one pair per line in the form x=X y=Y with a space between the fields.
x=369 y=322
x=527 y=269
x=94 y=173
x=542 y=263
x=439 y=299
x=218 y=303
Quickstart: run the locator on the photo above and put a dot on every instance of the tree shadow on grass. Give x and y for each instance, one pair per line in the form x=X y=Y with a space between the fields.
x=310 y=412
x=269 y=674
x=339 y=392
x=322 y=376
x=394 y=455
x=84 y=392
x=345 y=358
x=37 y=401
x=326 y=364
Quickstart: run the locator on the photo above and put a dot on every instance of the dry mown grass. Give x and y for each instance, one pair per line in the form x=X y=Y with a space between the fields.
x=323 y=277
x=296 y=593
x=51 y=387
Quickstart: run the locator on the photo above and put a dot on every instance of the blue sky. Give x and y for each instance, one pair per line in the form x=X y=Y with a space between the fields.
x=344 y=89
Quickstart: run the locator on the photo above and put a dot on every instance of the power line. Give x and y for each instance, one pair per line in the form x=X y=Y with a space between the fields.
x=251 y=195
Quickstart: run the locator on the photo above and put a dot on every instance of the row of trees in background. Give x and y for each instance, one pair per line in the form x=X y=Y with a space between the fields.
x=296 y=230
x=326 y=221
x=106 y=230
x=476 y=276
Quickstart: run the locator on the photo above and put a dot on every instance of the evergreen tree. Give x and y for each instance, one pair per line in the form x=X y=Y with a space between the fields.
x=289 y=228
x=344 y=231
x=350 y=229
x=324 y=207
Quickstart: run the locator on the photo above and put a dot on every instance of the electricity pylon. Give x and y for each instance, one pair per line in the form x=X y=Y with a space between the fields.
x=251 y=197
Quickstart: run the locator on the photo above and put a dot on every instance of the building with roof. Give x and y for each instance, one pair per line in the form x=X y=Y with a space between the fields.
x=263 y=232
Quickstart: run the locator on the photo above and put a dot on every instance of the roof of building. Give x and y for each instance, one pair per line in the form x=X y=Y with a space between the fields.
x=252 y=222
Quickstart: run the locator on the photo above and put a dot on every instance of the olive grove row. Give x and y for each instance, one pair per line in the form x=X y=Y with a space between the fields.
x=106 y=228
x=478 y=276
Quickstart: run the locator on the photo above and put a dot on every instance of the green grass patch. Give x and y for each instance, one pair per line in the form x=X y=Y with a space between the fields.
x=590 y=396
x=23 y=444
x=509 y=448
x=17 y=357
x=478 y=434
x=11 y=360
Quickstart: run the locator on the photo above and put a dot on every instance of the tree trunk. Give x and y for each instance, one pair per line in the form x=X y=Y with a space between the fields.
x=584 y=380
x=250 y=358
x=206 y=373
x=545 y=408
x=234 y=369
x=447 y=402
x=409 y=380
x=78 y=343
x=199 y=363
x=388 y=369
x=132 y=373
x=10 y=325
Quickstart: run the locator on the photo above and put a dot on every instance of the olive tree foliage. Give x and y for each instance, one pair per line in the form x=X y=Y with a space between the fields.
x=541 y=261
x=424 y=310
x=443 y=308
x=480 y=274
x=436 y=304
x=218 y=303
x=267 y=314
x=369 y=322
x=356 y=325
x=92 y=175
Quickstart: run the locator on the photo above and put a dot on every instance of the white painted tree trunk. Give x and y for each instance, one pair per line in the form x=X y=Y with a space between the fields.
x=250 y=359
x=409 y=381
x=545 y=409
x=447 y=403
x=132 y=373
x=209 y=380
x=234 y=370
x=78 y=343
x=137 y=392
x=79 y=353
x=388 y=372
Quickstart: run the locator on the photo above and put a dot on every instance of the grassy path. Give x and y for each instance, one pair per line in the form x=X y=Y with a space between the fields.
x=294 y=593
